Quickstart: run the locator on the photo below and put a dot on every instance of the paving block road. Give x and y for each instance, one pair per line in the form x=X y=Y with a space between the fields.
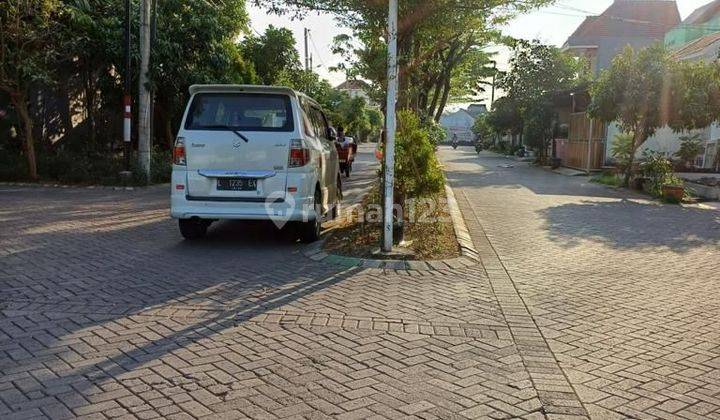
x=589 y=303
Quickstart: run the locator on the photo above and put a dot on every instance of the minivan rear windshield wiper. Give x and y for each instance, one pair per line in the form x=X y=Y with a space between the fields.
x=227 y=127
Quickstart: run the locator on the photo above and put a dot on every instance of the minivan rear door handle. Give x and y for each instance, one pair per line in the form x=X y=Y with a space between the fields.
x=215 y=173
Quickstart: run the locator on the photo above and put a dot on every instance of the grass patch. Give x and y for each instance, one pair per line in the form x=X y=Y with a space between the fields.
x=428 y=234
x=608 y=179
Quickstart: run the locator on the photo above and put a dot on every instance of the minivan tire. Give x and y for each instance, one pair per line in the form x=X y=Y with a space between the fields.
x=193 y=229
x=310 y=230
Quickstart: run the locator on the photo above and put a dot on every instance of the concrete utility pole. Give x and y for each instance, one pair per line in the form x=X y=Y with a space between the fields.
x=492 y=96
x=127 y=99
x=307 y=54
x=392 y=76
x=144 y=140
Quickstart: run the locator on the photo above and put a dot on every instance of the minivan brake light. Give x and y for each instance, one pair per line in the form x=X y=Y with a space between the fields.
x=299 y=154
x=179 y=157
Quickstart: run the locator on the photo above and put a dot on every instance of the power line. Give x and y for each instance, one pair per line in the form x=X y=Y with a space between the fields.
x=315 y=48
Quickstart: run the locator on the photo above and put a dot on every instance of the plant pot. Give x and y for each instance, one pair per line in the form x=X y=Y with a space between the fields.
x=638 y=184
x=555 y=163
x=674 y=193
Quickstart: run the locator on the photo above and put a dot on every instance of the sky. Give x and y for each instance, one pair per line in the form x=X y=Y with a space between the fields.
x=551 y=25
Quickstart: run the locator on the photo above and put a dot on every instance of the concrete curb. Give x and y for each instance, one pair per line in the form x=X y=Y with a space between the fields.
x=469 y=256
x=79 y=187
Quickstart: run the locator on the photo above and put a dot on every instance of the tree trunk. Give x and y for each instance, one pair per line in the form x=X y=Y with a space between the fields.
x=21 y=105
x=90 y=108
x=435 y=98
x=444 y=99
x=169 y=138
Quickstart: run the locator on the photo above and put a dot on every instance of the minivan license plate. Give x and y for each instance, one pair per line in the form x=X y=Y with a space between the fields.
x=237 y=184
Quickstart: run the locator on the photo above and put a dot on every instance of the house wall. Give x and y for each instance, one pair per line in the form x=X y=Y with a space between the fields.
x=460 y=124
x=667 y=142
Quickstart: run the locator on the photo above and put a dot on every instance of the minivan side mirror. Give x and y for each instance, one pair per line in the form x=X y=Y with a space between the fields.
x=331 y=134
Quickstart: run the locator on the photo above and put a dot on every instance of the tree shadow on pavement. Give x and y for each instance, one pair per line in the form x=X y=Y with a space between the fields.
x=629 y=224
x=66 y=275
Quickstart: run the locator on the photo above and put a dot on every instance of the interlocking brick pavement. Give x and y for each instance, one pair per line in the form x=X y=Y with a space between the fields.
x=586 y=305
x=107 y=313
x=625 y=291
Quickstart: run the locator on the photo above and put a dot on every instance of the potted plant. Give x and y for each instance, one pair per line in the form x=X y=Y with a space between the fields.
x=673 y=192
x=555 y=162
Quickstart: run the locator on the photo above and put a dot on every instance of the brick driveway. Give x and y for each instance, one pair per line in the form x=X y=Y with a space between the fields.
x=587 y=304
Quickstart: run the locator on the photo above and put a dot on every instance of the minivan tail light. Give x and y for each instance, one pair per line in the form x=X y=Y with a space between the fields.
x=179 y=157
x=299 y=154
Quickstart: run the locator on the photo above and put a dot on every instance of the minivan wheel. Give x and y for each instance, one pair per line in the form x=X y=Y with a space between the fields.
x=310 y=230
x=192 y=229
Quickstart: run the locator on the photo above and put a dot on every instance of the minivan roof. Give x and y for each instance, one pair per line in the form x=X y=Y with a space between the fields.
x=248 y=88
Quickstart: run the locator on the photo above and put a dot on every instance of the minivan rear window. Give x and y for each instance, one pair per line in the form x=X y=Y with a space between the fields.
x=240 y=111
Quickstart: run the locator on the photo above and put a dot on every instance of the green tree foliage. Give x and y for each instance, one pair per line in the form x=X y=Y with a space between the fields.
x=482 y=128
x=694 y=98
x=273 y=54
x=538 y=73
x=622 y=150
x=631 y=93
x=27 y=31
x=71 y=52
x=440 y=43
x=690 y=148
x=646 y=90
x=195 y=43
x=505 y=116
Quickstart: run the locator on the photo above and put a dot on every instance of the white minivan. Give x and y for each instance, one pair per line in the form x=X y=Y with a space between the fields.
x=254 y=153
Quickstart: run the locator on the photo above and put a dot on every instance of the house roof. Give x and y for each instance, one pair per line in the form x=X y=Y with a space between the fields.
x=353 y=85
x=703 y=14
x=697 y=46
x=629 y=18
x=476 y=109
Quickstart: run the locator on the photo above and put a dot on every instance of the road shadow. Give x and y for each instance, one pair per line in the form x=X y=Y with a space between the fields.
x=70 y=266
x=627 y=224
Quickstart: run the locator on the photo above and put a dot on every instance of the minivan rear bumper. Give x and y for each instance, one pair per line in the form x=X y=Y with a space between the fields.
x=184 y=207
x=293 y=208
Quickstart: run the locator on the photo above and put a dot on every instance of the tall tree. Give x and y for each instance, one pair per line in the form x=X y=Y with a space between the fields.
x=537 y=73
x=634 y=93
x=645 y=90
x=196 y=43
x=26 y=55
x=272 y=53
x=435 y=38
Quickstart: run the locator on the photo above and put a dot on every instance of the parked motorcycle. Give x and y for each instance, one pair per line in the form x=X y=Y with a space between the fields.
x=455 y=145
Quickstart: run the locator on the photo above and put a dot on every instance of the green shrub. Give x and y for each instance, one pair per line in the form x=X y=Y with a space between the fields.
x=622 y=151
x=12 y=167
x=417 y=170
x=436 y=133
x=659 y=172
x=84 y=167
x=160 y=168
x=690 y=148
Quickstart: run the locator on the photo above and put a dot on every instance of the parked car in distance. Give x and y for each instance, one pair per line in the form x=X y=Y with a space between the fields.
x=254 y=153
